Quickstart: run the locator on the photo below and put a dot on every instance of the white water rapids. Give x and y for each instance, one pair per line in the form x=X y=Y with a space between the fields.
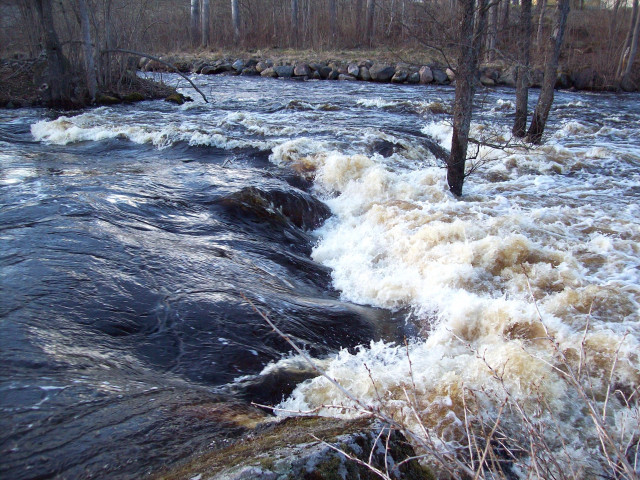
x=544 y=244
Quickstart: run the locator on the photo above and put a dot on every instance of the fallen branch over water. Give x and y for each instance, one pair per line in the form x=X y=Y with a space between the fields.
x=146 y=55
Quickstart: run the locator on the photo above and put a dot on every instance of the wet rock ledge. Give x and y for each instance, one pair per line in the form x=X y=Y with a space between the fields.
x=287 y=450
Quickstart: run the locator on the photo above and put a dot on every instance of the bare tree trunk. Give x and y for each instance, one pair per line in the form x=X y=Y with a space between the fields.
x=522 y=69
x=59 y=91
x=294 y=23
x=505 y=15
x=492 y=32
x=205 y=25
x=545 y=100
x=195 y=22
x=541 y=8
x=369 y=33
x=358 y=19
x=470 y=46
x=89 y=65
x=626 y=76
x=235 y=19
x=628 y=42
x=333 y=20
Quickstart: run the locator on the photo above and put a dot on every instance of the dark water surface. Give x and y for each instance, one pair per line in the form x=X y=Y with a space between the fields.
x=130 y=235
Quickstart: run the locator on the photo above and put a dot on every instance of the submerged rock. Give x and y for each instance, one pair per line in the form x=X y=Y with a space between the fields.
x=280 y=206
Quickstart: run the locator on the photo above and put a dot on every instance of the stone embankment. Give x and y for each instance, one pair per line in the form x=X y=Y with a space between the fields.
x=369 y=71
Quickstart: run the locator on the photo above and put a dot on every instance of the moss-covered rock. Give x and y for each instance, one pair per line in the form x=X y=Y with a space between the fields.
x=175 y=98
x=133 y=97
x=289 y=450
x=107 y=100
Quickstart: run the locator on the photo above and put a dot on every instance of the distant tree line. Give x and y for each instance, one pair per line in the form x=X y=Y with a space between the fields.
x=601 y=36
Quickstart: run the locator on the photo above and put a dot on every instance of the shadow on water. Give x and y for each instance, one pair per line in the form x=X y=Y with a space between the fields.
x=123 y=269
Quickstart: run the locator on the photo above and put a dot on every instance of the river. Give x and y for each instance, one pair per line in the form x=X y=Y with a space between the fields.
x=133 y=235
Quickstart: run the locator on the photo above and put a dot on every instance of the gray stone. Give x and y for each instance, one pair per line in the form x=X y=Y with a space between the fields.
x=249 y=72
x=334 y=75
x=302 y=70
x=439 y=76
x=238 y=65
x=348 y=78
x=507 y=78
x=382 y=73
x=364 y=74
x=263 y=65
x=269 y=72
x=425 y=75
x=413 y=78
x=325 y=72
x=451 y=75
x=400 y=76
x=486 y=81
x=353 y=69
x=284 y=71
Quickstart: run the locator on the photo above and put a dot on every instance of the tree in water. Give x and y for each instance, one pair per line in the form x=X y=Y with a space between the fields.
x=545 y=99
x=522 y=69
x=58 y=68
x=472 y=26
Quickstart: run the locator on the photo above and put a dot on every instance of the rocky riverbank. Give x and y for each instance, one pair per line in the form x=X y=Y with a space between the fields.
x=347 y=67
x=22 y=84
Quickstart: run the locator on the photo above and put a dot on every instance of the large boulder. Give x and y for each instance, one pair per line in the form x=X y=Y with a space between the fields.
x=507 y=78
x=217 y=69
x=451 y=75
x=302 y=70
x=353 y=69
x=284 y=71
x=413 y=78
x=263 y=65
x=426 y=76
x=324 y=71
x=238 y=65
x=487 y=81
x=382 y=73
x=363 y=74
x=269 y=72
x=439 y=76
x=400 y=76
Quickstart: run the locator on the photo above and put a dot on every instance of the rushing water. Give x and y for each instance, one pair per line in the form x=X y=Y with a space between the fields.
x=131 y=234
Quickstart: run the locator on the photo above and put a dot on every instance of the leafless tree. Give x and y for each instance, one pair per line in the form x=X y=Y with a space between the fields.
x=58 y=68
x=205 y=23
x=545 y=99
x=195 y=22
x=371 y=8
x=630 y=49
x=522 y=69
x=235 y=20
x=472 y=27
